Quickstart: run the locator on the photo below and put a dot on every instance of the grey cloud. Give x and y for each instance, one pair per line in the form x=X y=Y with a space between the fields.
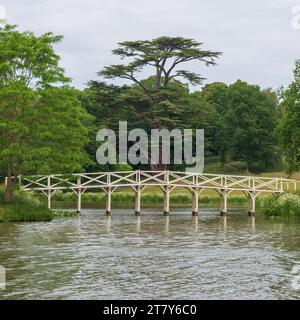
x=256 y=37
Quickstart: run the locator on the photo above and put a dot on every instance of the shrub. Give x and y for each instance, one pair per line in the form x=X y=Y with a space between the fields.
x=23 y=207
x=284 y=205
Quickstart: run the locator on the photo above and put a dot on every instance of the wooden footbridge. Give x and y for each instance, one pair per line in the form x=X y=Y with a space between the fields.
x=167 y=181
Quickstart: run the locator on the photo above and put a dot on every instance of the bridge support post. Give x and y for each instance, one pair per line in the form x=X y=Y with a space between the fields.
x=138 y=201
x=79 y=201
x=167 y=192
x=251 y=204
x=49 y=199
x=108 y=201
x=224 y=203
x=195 y=208
x=79 y=196
x=49 y=192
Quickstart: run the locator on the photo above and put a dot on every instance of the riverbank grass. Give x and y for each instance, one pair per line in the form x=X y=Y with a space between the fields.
x=24 y=207
x=287 y=205
x=178 y=196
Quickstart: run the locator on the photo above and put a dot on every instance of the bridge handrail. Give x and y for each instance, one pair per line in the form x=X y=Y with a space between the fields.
x=161 y=172
x=108 y=182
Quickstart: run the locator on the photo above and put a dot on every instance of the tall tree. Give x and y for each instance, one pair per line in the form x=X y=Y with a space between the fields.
x=151 y=99
x=109 y=104
x=105 y=103
x=249 y=124
x=288 y=129
x=38 y=122
x=201 y=114
x=216 y=95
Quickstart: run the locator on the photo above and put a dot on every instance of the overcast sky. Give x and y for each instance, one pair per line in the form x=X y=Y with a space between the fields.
x=256 y=37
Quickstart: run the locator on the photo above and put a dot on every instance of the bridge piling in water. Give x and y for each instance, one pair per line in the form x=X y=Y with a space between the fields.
x=224 y=202
x=251 y=204
x=79 y=194
x=108 y=201
x=49 y=192
x=137 y=210
x=79 y=202
x=49 y=199
x=167 y=192
x=195 y=208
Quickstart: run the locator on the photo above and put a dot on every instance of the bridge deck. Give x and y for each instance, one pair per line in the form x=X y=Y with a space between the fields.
x=138 y=180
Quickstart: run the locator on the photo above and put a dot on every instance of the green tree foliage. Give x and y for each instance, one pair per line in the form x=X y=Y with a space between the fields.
x=200 y=114
x=238 y=119
x=158 y=102
x=106 y=104
x=182 y=109
x=248 y=126
x=216 y=96
x=165 y=55
x=289 y=127
x=41 y=126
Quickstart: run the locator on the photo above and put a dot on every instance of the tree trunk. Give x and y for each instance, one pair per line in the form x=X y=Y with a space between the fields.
x=9 y=186
x=247 y=167
x=159 y=166
x=9 y=190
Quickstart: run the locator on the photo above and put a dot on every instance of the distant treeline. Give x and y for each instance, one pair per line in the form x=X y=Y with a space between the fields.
x=239 y=120
x=47 y=126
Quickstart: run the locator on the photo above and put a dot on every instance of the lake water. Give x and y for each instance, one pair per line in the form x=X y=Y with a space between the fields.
x=152 y=256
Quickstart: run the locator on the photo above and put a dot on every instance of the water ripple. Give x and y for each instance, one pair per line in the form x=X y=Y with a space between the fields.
x=152 y=256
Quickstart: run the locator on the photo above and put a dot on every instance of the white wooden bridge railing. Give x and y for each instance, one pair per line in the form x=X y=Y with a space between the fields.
x=138 y=180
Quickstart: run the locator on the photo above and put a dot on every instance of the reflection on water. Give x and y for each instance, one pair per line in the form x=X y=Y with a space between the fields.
x=252 y=222
x=195 y=222
x=224 y=223
x=151 y=256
